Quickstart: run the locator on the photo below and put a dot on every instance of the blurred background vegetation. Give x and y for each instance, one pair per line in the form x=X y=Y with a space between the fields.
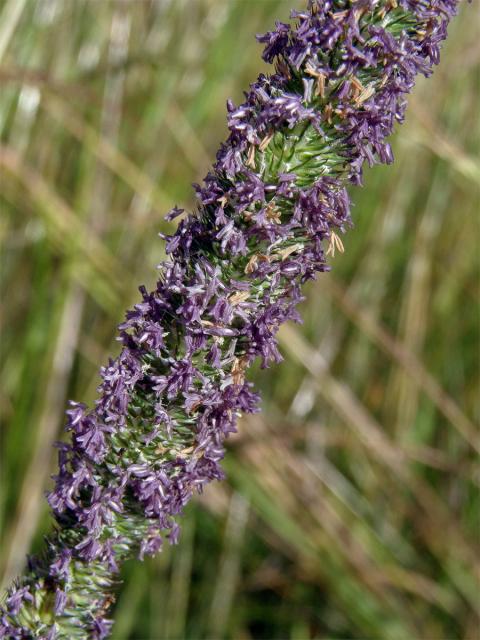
x=351 y=506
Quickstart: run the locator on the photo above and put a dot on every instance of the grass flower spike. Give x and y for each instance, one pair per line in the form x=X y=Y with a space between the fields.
x=270 y=211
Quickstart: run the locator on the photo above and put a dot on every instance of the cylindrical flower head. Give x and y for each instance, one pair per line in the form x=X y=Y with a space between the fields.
x=271 y=209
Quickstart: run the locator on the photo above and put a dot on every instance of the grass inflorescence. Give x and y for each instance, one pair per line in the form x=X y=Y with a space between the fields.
x=348 y=561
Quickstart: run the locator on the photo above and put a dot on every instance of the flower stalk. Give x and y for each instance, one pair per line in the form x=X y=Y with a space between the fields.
x=270 y=211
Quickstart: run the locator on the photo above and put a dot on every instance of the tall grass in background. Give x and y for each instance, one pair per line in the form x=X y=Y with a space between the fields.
x=351 y=509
